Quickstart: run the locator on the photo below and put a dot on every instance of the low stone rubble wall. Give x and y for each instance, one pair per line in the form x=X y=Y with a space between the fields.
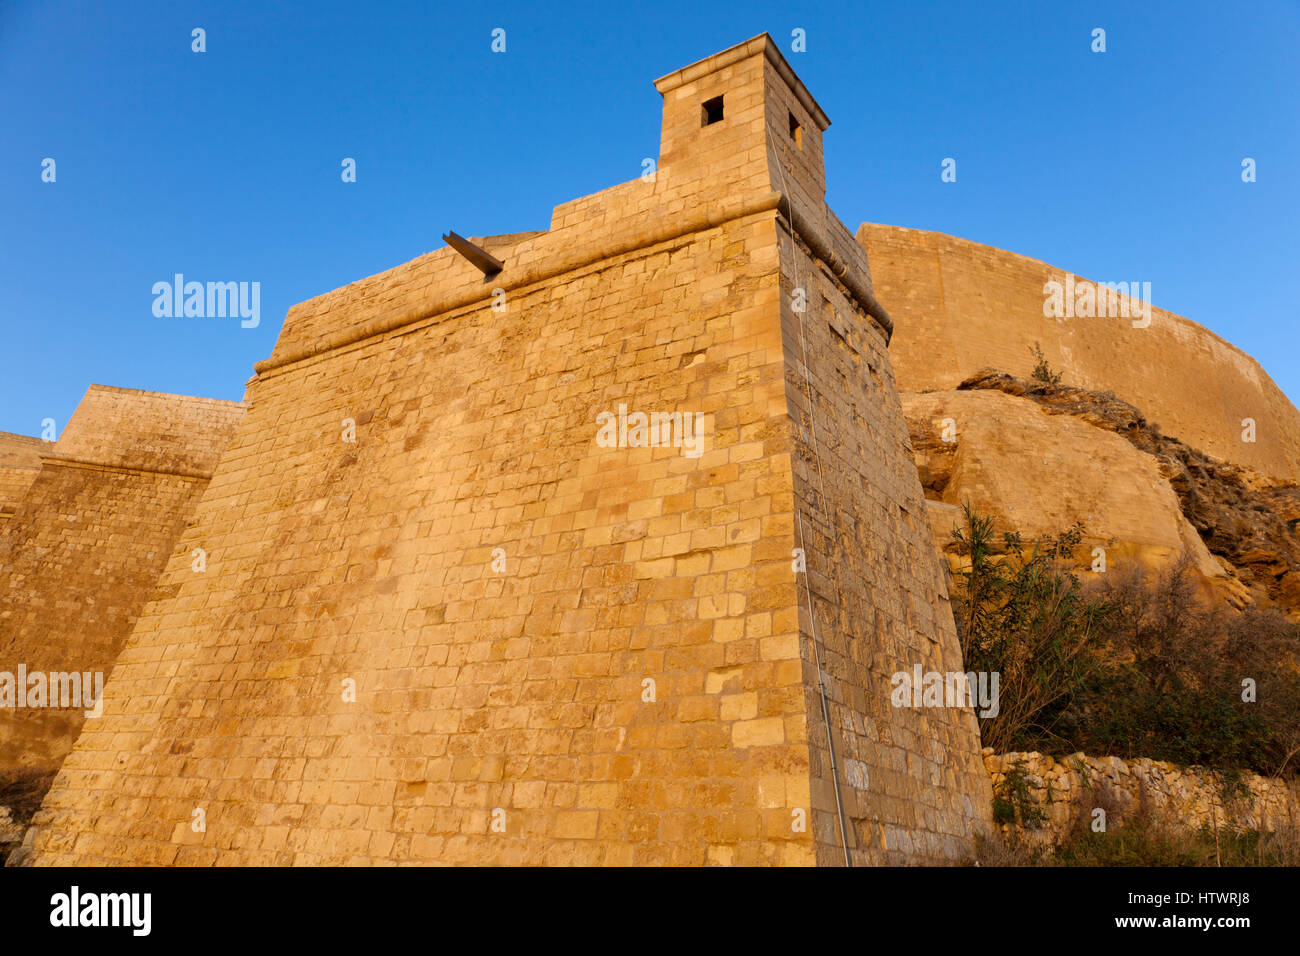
x=11 y=833
x=1066 y=788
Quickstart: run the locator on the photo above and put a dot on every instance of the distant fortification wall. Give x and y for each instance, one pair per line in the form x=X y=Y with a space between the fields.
x=961 y=306
x=84 y=548
x=20 y=460
x=444 y=621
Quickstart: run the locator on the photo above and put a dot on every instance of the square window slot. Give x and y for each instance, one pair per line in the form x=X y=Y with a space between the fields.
x=711 y=112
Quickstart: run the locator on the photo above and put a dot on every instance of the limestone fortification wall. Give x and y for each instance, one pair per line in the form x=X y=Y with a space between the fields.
x=917 y=788
x=961 y=306
x=1181 y=798
x=20 y=460
x=475 y=634
x=134 y=430
x=82 y=552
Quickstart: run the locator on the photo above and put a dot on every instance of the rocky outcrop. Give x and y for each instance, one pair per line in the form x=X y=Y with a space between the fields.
x=1039 y=473
x=20 y=797
x=1244 y=518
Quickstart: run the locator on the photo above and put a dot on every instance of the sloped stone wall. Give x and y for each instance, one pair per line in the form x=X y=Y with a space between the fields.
x=443 y=622
x=83 y=551
x=912 y=785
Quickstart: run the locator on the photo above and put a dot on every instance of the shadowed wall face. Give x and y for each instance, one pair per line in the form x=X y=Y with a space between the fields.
x=80 y=557
x=912 y=785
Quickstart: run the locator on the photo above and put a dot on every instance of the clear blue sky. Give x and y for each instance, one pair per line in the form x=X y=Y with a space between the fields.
x=225 y=165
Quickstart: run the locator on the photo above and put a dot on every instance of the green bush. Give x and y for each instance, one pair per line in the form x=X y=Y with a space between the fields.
x=1042 y=371
x=1023 y=615
x=1012 y=802
x=1172 y=688
x=1130 y=666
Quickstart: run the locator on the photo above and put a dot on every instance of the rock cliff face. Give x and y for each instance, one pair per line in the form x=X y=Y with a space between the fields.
x=1039 y=473
x=1038 y=457
x=1153 y=469
x=1247 y=521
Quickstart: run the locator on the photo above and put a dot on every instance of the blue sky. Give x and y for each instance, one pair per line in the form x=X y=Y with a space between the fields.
x=225 y=165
